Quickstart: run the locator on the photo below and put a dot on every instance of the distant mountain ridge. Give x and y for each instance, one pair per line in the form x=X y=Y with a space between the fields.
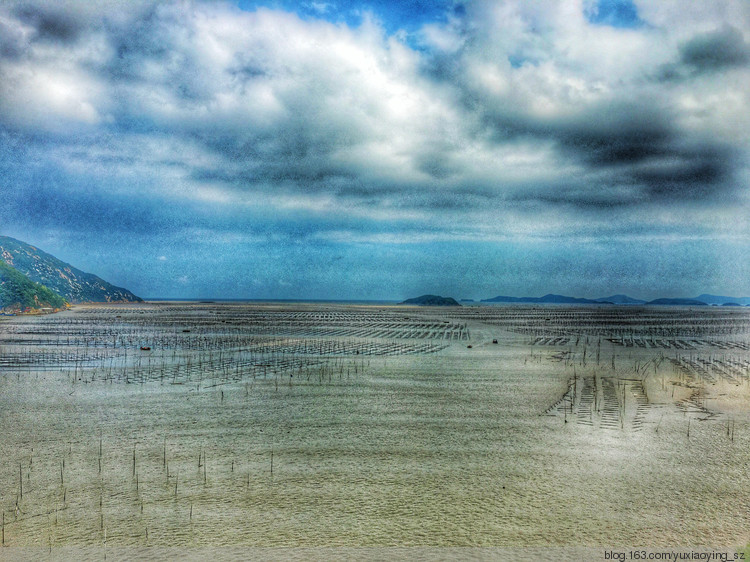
x=548 y=299
x=621 y=299
x=704 y=299
x=72 y=284
x=677 y=302
x=714 y=299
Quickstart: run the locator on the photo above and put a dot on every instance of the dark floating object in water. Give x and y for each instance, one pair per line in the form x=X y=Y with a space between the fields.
x=145 y=348
x=468 y=346
x=494 y=341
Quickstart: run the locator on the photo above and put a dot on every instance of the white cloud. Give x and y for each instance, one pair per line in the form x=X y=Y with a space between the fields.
x=520 y=102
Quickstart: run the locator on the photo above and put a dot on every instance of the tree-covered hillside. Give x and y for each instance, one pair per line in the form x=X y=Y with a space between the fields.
x=18 y=292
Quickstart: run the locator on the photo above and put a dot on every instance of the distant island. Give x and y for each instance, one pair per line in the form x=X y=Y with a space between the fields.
x=432 y=300
x=549 y=299
x=678 y=302
x=621 y=299
x=716 y=299
x=33 y=280
x=702 y=300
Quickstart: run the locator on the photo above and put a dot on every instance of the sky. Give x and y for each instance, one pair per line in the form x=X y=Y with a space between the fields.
x=383 y=149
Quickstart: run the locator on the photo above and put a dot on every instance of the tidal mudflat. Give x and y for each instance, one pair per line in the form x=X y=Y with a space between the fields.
x=308 y=425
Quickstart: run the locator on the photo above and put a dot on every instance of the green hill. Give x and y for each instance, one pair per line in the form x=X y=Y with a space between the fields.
x=17 y=292
x=74 y=285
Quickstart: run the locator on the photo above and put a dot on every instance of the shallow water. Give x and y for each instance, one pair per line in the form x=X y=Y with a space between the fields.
x=452 y=448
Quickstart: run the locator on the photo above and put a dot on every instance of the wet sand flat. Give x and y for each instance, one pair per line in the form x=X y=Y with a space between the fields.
x=252 y=425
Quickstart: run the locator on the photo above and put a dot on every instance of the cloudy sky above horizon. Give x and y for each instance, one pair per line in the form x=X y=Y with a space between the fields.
x=382 y=149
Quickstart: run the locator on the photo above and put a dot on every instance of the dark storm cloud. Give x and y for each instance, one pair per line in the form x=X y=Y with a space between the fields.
x=627 y=143
x=694 y=174
x=713 y=51
x=617 y=134
x=642 y=148
x=708 y=53
x=50 y=22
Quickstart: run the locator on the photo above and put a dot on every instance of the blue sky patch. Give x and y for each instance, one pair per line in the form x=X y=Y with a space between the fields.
x=408 y=15
x=615 y=13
